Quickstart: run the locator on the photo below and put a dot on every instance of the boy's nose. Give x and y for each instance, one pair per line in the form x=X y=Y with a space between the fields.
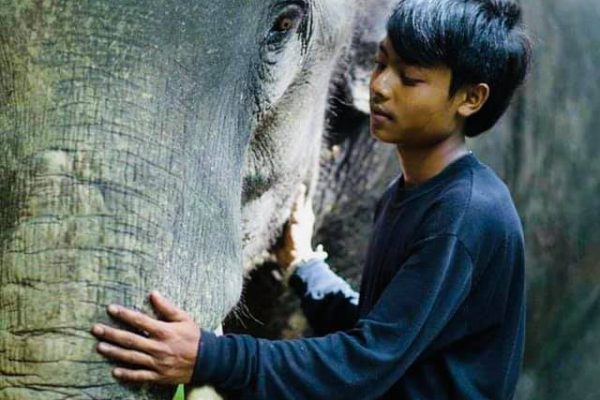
x=376 y=98
x=377 y=91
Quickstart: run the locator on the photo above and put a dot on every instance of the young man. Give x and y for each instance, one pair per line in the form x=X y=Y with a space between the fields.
x=442 y=307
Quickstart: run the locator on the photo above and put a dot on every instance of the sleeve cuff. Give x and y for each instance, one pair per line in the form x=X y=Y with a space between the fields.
x=304 y=273
x=228 y=361
x=310 y=267
x=316 y=280
x=204 y=369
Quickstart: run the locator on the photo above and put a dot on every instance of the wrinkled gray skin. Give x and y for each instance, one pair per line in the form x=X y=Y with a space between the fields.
x=130 y=133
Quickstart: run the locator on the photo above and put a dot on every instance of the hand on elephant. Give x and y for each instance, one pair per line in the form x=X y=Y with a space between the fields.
x=166 y=355
x=298 y=233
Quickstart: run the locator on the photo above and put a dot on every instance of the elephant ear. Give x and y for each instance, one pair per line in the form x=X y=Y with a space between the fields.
x=349 y=96
x=371 y=29
x=354 y=168
x=347 y=143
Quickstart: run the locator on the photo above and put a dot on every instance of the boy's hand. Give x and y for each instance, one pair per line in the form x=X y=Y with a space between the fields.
x=166 y=355
x=298 y=233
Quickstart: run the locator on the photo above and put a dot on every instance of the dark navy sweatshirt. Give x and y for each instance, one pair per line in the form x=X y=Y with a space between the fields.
x=441 y=311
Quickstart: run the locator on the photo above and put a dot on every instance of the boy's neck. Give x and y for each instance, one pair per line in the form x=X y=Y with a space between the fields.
x=421 y=164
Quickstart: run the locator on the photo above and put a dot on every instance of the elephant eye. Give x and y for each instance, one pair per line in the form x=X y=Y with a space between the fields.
x=284 y=24
x=288 y=21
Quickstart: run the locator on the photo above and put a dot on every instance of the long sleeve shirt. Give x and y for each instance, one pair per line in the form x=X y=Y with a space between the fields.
x=440 y=313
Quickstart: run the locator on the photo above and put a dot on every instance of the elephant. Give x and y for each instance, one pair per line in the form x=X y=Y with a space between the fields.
x=146 y=145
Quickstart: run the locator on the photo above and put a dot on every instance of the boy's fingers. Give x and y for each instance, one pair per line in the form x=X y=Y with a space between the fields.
x=302 y=205
x=126 y=356
x=299 y=201
x=166 y=309
x=124 y=339
x=136 y=375
x=136 y=319
x=302 y=192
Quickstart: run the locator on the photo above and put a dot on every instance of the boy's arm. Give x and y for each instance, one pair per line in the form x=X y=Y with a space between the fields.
x=328 y=302
x=360 y=363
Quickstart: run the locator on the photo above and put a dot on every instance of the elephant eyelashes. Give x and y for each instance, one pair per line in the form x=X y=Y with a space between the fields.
x=287 y=22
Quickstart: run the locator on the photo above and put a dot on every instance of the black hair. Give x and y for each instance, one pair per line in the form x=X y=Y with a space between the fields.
x=481 y=41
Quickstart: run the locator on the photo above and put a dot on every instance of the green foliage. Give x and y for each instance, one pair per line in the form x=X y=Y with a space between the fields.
x=179 y=395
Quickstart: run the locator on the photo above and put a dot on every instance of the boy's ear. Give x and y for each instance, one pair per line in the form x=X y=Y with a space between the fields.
x=474 y=97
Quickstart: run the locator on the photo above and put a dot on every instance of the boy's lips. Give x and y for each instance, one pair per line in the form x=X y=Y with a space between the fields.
x=381 y=112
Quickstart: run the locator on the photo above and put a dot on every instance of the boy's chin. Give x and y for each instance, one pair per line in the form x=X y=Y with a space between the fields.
x=385 y=137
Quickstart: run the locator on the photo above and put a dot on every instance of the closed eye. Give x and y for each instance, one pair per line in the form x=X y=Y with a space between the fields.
x=409 y=81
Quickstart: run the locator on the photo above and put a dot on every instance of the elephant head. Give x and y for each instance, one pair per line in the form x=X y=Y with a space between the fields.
x=131 y=133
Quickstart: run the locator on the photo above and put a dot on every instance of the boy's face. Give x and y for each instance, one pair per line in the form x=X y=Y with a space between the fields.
x=421 y=113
